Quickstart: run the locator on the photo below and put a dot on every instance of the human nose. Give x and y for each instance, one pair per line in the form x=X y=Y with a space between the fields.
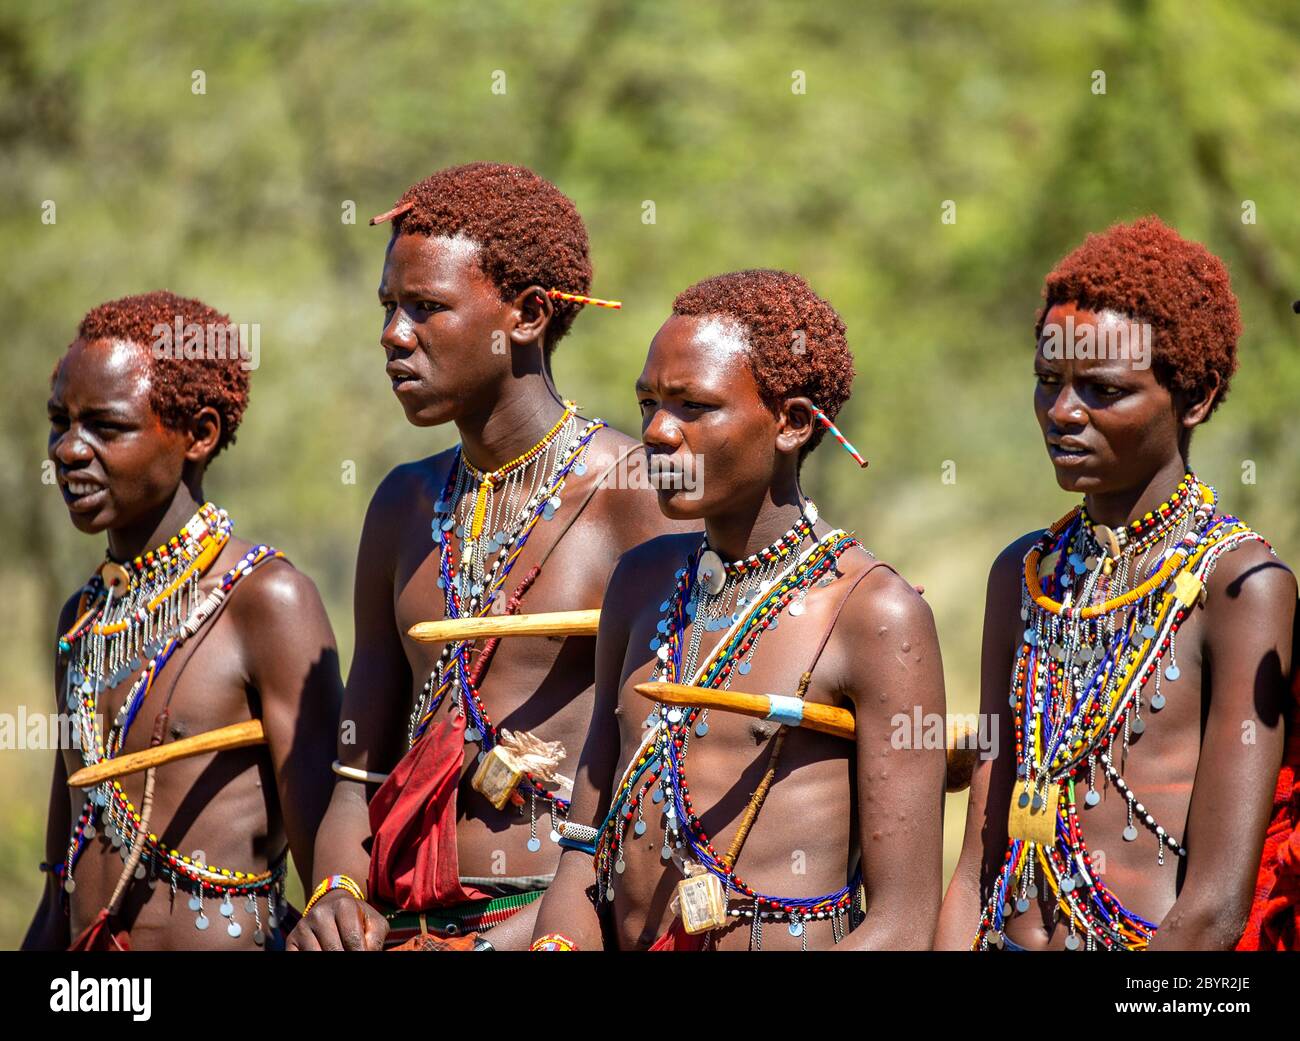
x=399 y=332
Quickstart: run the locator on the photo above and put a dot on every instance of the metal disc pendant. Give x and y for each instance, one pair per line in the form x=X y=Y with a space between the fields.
x=555 y=835
x=579 y=468
x=259 y=937
x=1130 y=834
x=743 y=668
x=1157 y=702
x=227 y=908
x=1023 y=801
x=657 y=796
x=1067 y=885
x=1148 y=631
x=201 y=922
x=638 y=828
x=674 y=715
x=1172 y=673
x=69 y=886
x=710 y=573
x=666 y=853
x=620 y=866
x=234 y=929
x=796 y=927
x=609 y=893
x=701 y=729
x=250 y=905
x=534 y=844
x=1092 y=798
x=1022 y=905
x=1072 y=942
x=1138 y=725
x=796 y=609
x=472 y=735
x=139 y=872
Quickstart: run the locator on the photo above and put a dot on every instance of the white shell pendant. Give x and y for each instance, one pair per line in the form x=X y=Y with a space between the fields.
x=710 y=573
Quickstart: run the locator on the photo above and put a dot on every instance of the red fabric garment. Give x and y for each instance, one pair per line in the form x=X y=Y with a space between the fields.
x=100 y=936
x=413 y=862
x=1274 y=923
x=678 y=939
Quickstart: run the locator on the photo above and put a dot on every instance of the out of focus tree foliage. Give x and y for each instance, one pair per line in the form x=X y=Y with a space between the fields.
x=237 y=195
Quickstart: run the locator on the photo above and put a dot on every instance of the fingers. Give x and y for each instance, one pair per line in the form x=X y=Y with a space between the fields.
x=334 y=924
x=374 y=927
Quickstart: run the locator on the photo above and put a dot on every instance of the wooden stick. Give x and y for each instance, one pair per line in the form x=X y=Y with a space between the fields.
x=237 y=735
x=825 y=719
x=554 y=623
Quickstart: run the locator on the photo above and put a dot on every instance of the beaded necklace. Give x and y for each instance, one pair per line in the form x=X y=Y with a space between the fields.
x=658 y=769
x=1077 y=691
x=133 y=618
x=470 y=592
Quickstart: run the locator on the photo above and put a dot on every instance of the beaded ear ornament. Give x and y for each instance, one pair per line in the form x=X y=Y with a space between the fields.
x=825 y=421
x=554 y=294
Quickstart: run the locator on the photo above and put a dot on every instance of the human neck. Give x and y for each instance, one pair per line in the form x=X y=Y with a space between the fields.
x=517 y=421
x=1119 y=508
x=156 y=527
x=739 y=533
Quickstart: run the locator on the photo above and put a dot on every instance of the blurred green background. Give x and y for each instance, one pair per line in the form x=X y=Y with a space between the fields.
x=236 y=195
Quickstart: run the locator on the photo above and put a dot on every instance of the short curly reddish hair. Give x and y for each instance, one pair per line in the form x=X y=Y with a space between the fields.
x=178 y=386
x=1150 y=273
x=528 y=231
x=775 y=307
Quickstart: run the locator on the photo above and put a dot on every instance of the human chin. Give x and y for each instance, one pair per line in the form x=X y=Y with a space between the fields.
x=681 y=504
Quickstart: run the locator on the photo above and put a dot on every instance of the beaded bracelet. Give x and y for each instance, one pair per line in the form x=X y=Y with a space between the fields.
x=331 y=883
x=553 y=942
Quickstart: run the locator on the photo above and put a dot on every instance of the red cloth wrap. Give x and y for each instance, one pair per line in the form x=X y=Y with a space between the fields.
x=678 y=939
x=100 y=935
x=1274 y=923
x=413 y=861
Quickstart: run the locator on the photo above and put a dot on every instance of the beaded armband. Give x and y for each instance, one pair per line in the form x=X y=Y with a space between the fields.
x=581 y=837
x=331 y=883
x=553 y=942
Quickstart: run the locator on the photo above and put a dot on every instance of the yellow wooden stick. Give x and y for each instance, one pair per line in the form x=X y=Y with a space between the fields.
x=237 y=735
x=553 y=623
x=825 y=719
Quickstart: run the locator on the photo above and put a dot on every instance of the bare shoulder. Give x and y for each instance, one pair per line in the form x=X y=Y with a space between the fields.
x=653 y=560
x=277 y=598
x=1008 y=566
x=1251 y=583
x=882 y=601
x=408 y=481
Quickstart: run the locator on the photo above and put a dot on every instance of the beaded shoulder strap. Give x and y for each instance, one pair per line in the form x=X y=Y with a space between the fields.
x=839 y=608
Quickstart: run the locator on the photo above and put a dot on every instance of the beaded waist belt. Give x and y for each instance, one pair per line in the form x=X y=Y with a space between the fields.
x=472 y=916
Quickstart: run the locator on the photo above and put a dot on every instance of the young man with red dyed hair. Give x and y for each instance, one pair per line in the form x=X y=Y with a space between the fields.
x=783 y=837
x=184 y=629
x=1137 y=652
x=451 y=773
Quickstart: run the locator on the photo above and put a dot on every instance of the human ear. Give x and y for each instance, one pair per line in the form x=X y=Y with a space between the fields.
x=532 y=314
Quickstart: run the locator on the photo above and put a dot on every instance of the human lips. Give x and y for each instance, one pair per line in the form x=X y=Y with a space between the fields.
x=400 y=375
x=80 y=494
x=1067 y=451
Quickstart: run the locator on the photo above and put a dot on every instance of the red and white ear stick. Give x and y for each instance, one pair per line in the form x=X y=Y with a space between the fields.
x=835 y=433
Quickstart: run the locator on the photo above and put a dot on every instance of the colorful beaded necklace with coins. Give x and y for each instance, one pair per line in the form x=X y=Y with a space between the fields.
x=658 y=770
x=1078 y=688
x=472 y=593
x=132 y=618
